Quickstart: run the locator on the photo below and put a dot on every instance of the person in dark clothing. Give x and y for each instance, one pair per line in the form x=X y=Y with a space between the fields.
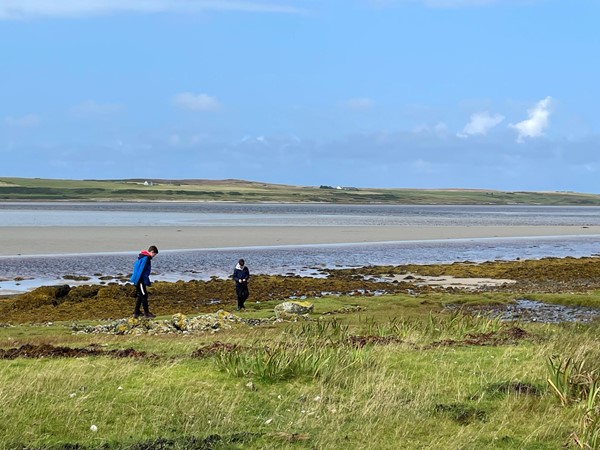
x=141 y=279
x=241 y=274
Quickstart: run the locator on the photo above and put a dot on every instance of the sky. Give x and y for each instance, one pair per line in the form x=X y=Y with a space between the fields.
x=489 y=94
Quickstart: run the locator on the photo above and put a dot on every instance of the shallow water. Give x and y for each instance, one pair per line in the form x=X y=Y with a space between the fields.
x=303 y=260
x=524 y=310
x=300 y=260
x=229 y=214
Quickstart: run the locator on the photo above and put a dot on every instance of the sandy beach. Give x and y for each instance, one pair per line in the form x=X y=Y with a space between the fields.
x=15 y=241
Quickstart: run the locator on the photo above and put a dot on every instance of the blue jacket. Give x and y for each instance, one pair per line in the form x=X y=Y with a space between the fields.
x=142 y=269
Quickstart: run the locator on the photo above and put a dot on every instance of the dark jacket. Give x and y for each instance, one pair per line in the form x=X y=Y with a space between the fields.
x=142 y=269
x=241 y=274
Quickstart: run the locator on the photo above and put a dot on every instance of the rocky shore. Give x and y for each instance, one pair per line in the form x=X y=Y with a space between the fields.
x=115 y=300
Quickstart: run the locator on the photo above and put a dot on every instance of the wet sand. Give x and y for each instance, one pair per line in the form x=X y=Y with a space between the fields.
x=16 y=241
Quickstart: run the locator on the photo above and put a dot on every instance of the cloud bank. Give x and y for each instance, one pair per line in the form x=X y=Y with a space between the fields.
x=24 y=9
x=359 y=104
x=27 y=121
x=92 y=108
x=448 y=3
x=196 y=102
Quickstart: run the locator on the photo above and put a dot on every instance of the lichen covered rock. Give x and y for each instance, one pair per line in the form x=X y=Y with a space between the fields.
x=177 y=324
x=293 y=310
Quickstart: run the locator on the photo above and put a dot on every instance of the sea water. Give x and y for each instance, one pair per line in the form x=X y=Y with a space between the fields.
x=304 y=260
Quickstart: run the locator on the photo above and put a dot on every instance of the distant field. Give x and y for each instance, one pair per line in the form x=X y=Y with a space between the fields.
x=37 y=189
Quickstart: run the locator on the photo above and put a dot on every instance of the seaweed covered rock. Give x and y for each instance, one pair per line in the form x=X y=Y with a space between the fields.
x=45 y=295
x=50 y=303
x=55 y=292
x=79 y=293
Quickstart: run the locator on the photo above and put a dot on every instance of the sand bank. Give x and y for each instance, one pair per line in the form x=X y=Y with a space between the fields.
x=65 y=240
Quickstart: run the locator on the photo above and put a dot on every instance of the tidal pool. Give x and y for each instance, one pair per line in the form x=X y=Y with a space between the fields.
x=524 y=310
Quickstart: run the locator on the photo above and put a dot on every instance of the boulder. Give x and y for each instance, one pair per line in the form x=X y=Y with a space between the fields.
x=58 y=291
x=292 y=310
x=45 y=295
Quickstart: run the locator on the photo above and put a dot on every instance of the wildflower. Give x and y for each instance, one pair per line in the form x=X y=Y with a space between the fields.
x=94 y=428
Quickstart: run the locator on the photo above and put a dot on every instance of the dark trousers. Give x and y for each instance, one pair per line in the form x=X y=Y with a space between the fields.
x=141 y=298
x=241 y=290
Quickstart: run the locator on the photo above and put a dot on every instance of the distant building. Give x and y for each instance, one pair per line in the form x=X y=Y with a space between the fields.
x=339 y=188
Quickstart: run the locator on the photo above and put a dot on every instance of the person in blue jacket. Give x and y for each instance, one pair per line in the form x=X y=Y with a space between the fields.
x=241 y=274
x=141 y=279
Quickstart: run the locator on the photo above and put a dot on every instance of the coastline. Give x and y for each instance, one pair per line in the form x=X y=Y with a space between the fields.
x=28 y=241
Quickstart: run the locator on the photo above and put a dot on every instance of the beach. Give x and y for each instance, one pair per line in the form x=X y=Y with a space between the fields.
x=57 y=240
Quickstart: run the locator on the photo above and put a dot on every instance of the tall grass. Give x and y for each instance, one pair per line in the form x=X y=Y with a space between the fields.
x=574 y=381
x=284 y=362
x=313 y=350
x=310 y=389
x=435 y=326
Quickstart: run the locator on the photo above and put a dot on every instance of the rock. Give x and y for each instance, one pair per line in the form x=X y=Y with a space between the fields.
x=46 y=295
x=62 y=290
x=293 y=310
x=179 y=323
x=55 y=292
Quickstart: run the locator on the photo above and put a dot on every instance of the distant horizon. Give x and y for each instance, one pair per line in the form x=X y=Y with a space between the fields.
x=225 y=180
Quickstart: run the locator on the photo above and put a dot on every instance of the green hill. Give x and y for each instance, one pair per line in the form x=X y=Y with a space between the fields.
x=39 y=189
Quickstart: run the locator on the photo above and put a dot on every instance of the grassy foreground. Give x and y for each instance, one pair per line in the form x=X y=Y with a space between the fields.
x=24 y=189
x=389 y=372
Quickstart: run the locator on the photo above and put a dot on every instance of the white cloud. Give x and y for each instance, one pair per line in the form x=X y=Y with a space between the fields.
x=458 y=3
x=196 y=102
x=439 y=129
x=447 y=3
x=537 y=122
x=359 y=104
x=27 y=121
x=21 y=9
x=92 y=108
x=480 y=123
x=249 y=140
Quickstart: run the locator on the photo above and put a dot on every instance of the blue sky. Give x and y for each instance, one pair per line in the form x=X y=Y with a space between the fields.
x=497 y=94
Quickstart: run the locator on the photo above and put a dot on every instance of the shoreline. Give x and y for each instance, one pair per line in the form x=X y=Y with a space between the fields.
x=30 y=241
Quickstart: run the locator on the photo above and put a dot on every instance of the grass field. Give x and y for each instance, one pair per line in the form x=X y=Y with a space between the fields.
x=414 y=368
x=247 y=191
x=389 y=372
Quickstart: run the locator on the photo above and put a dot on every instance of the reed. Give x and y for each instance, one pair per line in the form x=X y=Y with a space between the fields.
x=573 y=381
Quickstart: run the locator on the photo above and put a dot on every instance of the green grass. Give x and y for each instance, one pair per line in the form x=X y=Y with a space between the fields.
x=247 y=191
x=305 y=385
